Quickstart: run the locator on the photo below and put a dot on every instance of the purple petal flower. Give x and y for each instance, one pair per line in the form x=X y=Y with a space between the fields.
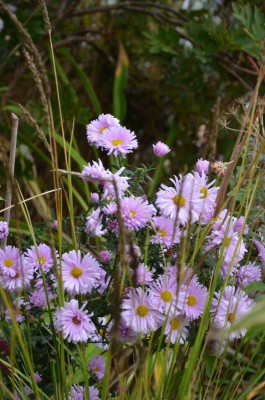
x=119 y=140
x=97 y=366
x=160 y=149
x=96 y=128
x=202 y=166
x=3 y=230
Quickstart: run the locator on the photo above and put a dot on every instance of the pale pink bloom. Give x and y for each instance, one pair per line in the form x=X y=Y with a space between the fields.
x=160 y=149
x=97 y=366
x=247 y=274
x=167 y=233
x=175 y=329
x=164 y=289
x=55 y=224
x=105 y=256
x=10 y=260
x=79 y=273
x=96 y=128
x=20 y=281
x=182 y=202
x=75 y=323
x=3 y=230
x=119 y=140
x=44 y=257
x=94 y=197
x=194 y=297
x=140 y=311
x=208 y=196
x=202 y=166
x=143 y=275
x=94 y=225
x=136 y=212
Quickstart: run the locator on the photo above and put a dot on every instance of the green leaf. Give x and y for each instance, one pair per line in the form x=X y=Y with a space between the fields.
x=255 y=287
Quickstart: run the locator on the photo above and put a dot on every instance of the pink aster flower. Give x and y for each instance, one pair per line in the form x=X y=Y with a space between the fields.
x=261 y=250
x=230 y=308
x=202 y=166
x=208 y=195
x=96 y=128
x=94 y=197
x=3 y=230
x=10 y=260
x=175 y=329
x=136 y=212
x=38 y=377
x=105 y=256
x=79 y=274
x=102 y=283
x=79 y=393
x=164 y=289
x=140 y=311
x=247 y=274
x=183 y=201
x=194 y=296
x=94 y=224
x=119 y=140
x=16 y=311
x=160 y=149
x=143 y=275
x=21 y=280
x=55 y=224
x=74 y=322
x=95 y=172
x=45 y=257
x=120 y=181
x=97 y=366
x=127 y=334
x=167 y=233
x=38 y=298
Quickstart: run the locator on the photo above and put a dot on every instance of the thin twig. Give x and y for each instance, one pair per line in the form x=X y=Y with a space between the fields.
x=10 y=174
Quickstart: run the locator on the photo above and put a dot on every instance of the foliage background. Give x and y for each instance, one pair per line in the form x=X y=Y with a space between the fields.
x=170 y=70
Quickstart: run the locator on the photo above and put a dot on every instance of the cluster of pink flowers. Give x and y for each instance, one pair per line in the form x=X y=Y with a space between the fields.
x=159 y=290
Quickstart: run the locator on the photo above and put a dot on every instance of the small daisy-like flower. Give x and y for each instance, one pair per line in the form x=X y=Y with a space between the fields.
x=194 y=296
x=229 y=308
x=16 y=311
x=45 y=257
x=208 y=195
x=136 y=212
x=143 y=275
x=21 y=280
x=160 y=149
x=183 y=201
x=261 y=250
x=175 y=329
x=38 y=298
x=79 y=393
x=120 y=181
x=96 y=173
x=74 y=322
x=202 y=166
x=105 y=256
x=140 y=311
x=119 y=140
x=94 y=224
x=79 y=274
x=55 y=224
x=10 y=260
x=96 y=128
x=127 y=334
x=167 y=233
x=94 y=197
x=247 y=274
x=38 y=377
x=164 y=290
x=3 y=229
x=97 y=366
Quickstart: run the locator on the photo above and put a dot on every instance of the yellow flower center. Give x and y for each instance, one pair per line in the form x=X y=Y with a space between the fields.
x=133 y=213
x=227 y=241
x=117 y=142
x=41 y=259
x=231 y=317
x=102 y=129
x=8 y=262
x=191 y=301
x=162 y=233
x=204 y=192
x=179 y=200
x=76 y=272
x=96 y=369
x=175 y=324
x=166 y=295
x=142 y=310
x=76 y=321
x=102 y=333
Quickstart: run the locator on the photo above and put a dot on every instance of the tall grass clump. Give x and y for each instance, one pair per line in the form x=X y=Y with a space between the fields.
x=150 y=292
